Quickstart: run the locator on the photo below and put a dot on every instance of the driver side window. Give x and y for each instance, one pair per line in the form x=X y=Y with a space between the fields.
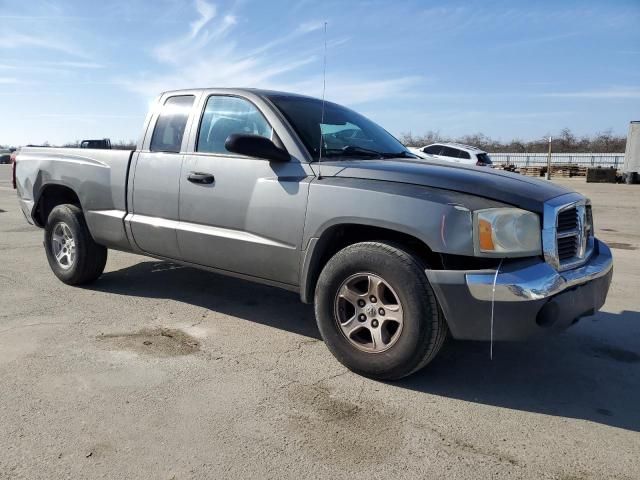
x=224 y=116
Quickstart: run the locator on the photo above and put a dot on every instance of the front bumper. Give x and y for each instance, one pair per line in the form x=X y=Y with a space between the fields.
x=531 y=297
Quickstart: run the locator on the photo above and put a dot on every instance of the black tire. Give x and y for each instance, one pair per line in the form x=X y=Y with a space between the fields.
x=90 y=258
x=424 y=328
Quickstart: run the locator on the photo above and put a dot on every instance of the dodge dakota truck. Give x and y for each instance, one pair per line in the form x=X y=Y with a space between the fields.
x=396 y=253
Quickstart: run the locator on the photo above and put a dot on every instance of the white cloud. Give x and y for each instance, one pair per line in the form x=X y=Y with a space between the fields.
x=202 y=32
x=302 y=30
x=608 y=93
x=80 y=65
x=217 y=71
x=308 y=27
x=82 y=116
x=208 y=56
x=51 y=67
x=207 y=11
x=14 y=40
x=538 y=40
x=352 y=91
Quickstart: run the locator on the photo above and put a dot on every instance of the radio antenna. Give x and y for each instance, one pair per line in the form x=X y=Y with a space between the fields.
x=324 y=88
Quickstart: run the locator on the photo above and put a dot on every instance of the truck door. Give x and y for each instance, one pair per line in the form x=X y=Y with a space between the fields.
x=241 y=214
x=156 y=182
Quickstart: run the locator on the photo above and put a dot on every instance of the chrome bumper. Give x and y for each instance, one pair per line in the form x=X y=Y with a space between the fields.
x=531 y=297
x=518 y=283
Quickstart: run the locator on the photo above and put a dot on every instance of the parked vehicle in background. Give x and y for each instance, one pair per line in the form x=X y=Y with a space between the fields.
x=454 y=152
x=101 y=144
x=394 y=252
x=5 y=156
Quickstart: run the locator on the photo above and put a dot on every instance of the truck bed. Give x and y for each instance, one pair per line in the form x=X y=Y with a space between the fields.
x=97 y=176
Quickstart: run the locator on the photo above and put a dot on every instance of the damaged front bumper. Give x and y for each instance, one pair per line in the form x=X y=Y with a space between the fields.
x=531 y=297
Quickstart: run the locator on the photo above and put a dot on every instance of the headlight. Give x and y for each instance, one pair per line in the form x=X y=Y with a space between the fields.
x=504 y=232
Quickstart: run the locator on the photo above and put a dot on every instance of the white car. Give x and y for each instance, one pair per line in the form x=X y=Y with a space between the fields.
x=454 y=152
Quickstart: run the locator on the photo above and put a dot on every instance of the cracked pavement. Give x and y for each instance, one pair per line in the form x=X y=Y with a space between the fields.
x=161 y=371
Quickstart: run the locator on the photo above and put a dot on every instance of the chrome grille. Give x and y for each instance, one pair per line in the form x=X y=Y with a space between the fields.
x=567 y=219
x=574 y=235
x=567 y=248
x=567 y=231
x=568 y=236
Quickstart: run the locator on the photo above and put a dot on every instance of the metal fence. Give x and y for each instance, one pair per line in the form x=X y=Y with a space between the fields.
x=615 y=160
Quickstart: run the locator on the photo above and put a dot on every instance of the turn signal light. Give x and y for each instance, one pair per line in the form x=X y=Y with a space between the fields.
x=484 y=235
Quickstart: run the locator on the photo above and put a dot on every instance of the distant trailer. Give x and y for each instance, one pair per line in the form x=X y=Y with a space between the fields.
x=632 y=150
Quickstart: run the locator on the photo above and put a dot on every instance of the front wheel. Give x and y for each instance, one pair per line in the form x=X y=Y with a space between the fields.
x=73 y=255
x=377 y=312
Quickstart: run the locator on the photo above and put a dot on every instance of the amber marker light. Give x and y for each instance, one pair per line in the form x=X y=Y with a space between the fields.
x=485 y=236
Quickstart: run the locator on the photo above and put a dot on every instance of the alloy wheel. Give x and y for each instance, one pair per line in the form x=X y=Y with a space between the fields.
x=369 y=313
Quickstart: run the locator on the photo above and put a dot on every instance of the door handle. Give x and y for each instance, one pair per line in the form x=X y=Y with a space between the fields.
x=202 y=178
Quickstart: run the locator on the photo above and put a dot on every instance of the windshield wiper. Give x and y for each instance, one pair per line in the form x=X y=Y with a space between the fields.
x=352 y=151
x=403 y=154
x=355 y=151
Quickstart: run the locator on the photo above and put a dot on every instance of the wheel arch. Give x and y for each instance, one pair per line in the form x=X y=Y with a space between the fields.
x=336 y=237
x=52 y=195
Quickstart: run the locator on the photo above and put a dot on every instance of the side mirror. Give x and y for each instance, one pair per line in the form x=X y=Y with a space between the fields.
x=255 y=146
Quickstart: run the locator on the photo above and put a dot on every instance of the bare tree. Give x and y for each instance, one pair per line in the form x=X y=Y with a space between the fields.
x=563 y=142
x=124 y=145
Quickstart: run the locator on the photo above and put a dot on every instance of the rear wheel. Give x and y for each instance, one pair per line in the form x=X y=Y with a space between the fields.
x=377 y=312
x=73 y=255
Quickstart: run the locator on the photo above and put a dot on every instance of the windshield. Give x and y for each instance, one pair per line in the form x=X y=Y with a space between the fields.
x=344 y=132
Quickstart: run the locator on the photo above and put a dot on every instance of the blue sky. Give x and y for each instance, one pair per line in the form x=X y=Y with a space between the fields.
x=88 y=69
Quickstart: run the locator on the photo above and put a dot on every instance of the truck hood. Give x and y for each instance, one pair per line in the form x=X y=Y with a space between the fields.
x=506 y=187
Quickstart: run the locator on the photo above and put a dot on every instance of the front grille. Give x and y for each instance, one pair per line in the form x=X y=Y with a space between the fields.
x=568 y=219
x=567 y=232
x=567 y=248
x=573 y=235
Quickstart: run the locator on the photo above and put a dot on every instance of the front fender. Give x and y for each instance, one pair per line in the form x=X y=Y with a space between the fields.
x=442 y=219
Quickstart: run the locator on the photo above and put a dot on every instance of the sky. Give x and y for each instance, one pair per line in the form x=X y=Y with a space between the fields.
x=71 y=70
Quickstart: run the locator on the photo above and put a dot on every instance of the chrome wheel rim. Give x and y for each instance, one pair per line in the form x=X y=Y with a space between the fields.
x=369 y=312
x=63 y=245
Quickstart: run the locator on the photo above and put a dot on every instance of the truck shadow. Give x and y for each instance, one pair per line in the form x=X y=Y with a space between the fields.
x=591 y=372
x=583 y=373
x=257 y=303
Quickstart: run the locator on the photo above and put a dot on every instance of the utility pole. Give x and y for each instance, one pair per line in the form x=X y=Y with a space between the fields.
x=549 y=161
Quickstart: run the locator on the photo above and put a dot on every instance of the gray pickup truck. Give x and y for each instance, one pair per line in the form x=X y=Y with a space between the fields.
x=395 y=253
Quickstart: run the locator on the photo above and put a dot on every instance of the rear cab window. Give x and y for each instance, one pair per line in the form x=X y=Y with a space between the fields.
x=170 y=126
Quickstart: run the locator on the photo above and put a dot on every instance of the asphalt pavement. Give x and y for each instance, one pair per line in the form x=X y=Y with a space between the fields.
x=166 y=372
